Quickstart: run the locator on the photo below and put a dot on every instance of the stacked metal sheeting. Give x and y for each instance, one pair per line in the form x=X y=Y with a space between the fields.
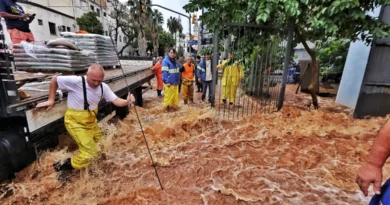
x=34 y=57
x=102 y=47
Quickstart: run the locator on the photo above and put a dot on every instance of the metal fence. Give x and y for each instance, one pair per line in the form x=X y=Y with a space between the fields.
x=252 y=77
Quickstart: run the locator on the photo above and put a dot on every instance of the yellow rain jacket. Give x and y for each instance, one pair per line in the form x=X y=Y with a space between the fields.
x=230 y=79
x=231 y=73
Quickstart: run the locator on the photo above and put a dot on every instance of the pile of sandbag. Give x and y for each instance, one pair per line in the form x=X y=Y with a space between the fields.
x=57 y=55
x=102 y=47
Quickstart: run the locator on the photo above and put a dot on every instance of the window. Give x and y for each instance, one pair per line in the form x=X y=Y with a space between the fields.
x=52 y=28
x=124 y=39
x=105 y=33
x=120 y=38
x=98 y=12
x=68 y=29
x=92 y=8
x=104 y=14
x=63 y=28
x=40 y=22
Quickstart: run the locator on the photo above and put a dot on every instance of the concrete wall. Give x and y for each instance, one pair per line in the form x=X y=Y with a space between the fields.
x=64 y=6
x=42 y=32
x=354 y=70
x=84 y=6
x=300 y=52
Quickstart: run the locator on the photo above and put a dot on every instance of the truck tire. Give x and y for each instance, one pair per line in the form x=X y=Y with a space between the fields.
x=6 y=171
x=15 y=154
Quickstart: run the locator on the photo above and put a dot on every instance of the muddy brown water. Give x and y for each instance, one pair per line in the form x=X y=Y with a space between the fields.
x=296 y=156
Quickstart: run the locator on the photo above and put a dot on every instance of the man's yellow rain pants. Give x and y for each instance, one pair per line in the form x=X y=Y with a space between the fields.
x=188 y=89
x=82 y=126
x=171 y=96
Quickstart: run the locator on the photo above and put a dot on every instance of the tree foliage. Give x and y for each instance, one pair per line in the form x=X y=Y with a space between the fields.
x=122 y=18
x=332 y=54
x=174 y=26
x=139 y=20
x=165 y=41
x=89 y=22
x=315 y=20
x=157 y=20
x=180 y=51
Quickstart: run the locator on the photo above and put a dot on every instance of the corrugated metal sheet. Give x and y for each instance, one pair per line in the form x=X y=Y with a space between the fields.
x=374 y=98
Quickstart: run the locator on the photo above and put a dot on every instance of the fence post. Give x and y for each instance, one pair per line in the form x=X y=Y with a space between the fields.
x=286 y=64
x=214 y=66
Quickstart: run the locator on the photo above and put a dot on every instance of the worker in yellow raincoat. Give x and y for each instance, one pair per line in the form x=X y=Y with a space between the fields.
x=84 y=95
x=188 y=74
x=231 y=78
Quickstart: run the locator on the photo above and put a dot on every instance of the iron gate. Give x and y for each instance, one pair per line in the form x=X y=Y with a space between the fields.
x=252 y=78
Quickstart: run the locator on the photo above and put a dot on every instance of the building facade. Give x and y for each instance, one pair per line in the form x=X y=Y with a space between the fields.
x=56 y=16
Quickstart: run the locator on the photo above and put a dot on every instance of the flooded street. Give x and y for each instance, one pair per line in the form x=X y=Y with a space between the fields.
x=295 y=156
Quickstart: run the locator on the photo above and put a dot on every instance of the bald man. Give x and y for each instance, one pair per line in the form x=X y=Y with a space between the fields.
x=84 y=95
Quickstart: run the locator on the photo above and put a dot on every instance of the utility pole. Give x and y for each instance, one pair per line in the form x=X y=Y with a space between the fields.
x=201 y=31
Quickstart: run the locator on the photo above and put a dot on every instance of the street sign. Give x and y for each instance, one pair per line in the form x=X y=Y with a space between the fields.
x=193 y=42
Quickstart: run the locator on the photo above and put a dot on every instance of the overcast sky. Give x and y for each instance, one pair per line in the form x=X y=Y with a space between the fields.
x=176 y=5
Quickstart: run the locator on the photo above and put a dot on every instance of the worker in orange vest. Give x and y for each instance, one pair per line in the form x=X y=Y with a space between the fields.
x=188 y=75
x=158 y=70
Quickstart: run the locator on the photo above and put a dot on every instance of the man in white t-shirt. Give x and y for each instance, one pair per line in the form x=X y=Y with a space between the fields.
x=84 y=95
x=205 y=76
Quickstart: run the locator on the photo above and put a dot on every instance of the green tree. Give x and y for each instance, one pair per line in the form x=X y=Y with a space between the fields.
x=171 y=24
x=121 y=15
x=180 y=51
x=139 y=20
x=314 y=20
x=165 y=41
x=157 y=20
x=90 y=23
x=174 y=26
x=332 y=53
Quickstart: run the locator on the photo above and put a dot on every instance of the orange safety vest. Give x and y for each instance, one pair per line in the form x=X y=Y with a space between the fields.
x=188 y=71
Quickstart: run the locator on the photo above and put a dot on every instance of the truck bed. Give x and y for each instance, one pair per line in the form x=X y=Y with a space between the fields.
x=39 y=90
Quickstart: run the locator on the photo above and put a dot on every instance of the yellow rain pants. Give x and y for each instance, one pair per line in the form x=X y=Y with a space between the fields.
x=171 y=96
x=82 y=126
x=229 y=91
x=188 y=89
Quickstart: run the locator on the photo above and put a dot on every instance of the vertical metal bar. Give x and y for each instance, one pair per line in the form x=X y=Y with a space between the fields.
x=283 y=47
x=286 y=62
x=214 y=66
x=280 y=78
x=254 y=80
x=270 y=78
x=274 y=79
x=220 y=85
x=240 y=85
x=260 y=81
x=229 y=78
x=266 y=79
x=189 y=25
x=201 y=31
x=224 y=106
x=275 y=92
x=234 y=88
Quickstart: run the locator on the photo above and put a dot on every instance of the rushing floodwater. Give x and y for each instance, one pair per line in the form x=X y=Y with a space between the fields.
x=294 y=156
